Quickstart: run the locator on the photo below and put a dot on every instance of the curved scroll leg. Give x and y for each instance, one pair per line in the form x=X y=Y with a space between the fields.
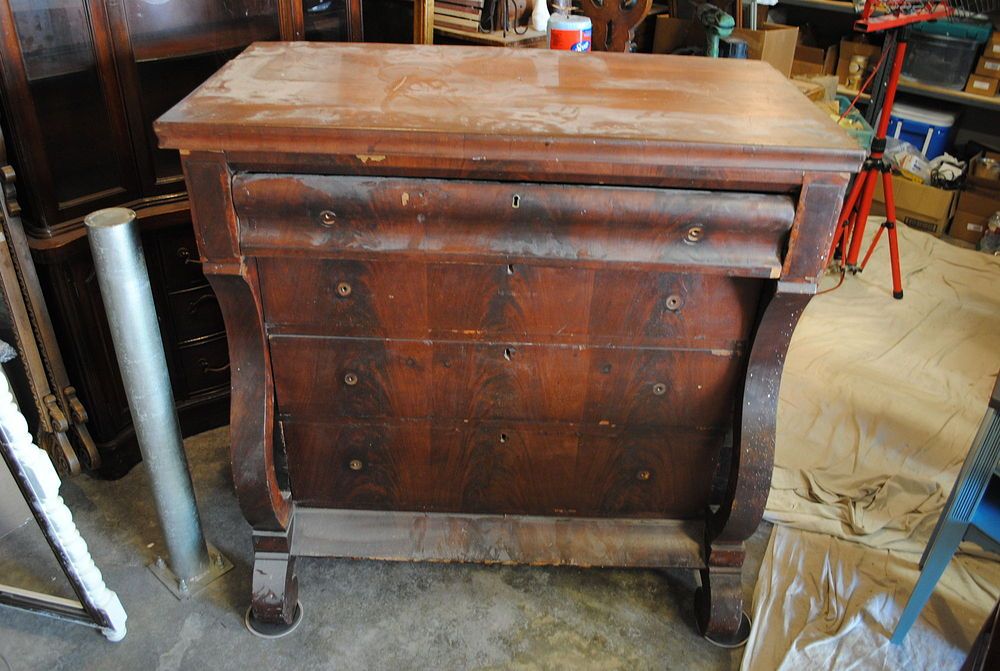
x=274 y=609
x=234 y=279
x=719 y=606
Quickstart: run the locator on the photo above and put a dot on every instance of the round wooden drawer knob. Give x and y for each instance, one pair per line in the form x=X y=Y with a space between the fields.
x=350 y=379
x=327 y=218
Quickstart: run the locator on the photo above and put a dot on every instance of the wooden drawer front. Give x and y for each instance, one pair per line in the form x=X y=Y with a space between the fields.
x=205 y=365
x=179 y=257
x=323 y=378
x=490 y=467
x=584 y=226
x=481 y=301
x=195 y=313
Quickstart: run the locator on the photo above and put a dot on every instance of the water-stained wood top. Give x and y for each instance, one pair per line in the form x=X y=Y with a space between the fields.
x=297 y=96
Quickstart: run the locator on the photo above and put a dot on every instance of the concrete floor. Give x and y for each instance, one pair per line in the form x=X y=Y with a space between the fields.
x=358 y=614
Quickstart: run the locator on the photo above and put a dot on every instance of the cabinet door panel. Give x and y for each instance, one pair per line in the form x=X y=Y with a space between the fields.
x=166 y=49
x=64 y=100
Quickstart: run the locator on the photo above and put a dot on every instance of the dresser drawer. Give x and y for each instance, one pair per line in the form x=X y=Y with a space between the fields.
x=586 y=226
x=205 y=365
x=500 y=468
x=323 y=378
x=179 y=257
x=195 y=313
x=408 y=299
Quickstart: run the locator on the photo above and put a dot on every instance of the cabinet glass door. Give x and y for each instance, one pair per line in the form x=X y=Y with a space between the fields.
x=82 y=153
x=326 y=20
x=175 y=46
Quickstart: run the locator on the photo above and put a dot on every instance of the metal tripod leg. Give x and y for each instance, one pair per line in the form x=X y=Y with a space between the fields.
x=889 y=225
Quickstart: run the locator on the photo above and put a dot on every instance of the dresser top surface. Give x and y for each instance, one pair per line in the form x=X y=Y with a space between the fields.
x=301 y=93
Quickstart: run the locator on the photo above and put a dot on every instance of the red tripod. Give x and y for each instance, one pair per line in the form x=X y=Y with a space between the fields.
x=854 y=215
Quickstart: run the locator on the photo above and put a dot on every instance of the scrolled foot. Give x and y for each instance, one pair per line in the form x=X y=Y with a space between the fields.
x=718 y=606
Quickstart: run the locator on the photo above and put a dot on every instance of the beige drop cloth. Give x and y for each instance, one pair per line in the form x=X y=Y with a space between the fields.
x=880 y=400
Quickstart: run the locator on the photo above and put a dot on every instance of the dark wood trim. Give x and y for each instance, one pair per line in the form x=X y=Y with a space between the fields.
x=756 y=421
x=355 y=21
x=815 y=222
x=252 y=420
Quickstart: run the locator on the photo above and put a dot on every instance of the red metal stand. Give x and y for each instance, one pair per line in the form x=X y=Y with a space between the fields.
x=894 y=20
x=854 y=215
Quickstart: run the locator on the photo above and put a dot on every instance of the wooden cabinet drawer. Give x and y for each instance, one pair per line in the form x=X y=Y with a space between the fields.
x=401 y=299
x=324 y=378
x=491 y=467
x=586 y=226
x=179 y=257
x=205 y=365
x=195 y=313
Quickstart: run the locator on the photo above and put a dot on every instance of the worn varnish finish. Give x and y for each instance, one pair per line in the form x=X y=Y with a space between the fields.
x=506 y=321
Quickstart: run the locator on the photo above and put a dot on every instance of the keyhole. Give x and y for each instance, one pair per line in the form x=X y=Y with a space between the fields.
x=508 y=353
x=503 y=437
x=510 y=269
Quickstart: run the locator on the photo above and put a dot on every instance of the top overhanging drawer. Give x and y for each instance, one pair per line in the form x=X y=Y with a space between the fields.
x=453 y=220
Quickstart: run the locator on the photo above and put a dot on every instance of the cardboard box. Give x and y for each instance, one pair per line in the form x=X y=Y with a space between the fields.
x=983 y=170
x=992 y=49
x=974 y=209
x=773 y=43
x=919 y=206
x=982 y=86
x=849 y=49
x=814 y=61
x=988 y=67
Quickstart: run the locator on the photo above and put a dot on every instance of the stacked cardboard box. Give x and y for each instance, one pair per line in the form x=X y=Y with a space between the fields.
x=985 y=81
x=979 y=201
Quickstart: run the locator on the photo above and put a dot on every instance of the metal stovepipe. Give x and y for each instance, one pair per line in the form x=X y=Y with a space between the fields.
x=128 y=301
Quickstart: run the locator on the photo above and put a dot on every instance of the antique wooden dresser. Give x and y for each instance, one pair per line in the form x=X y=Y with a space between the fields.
x=506 y=306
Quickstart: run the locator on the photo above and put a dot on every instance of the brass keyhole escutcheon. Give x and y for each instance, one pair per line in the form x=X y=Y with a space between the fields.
x=350 y=379
x=694 y=235
x=643 y=475
x=674 y=302
x=343 y=289
x=504 y=438
x=659 y=389
x=355 y=465
x=508 y=353
x=327 y=218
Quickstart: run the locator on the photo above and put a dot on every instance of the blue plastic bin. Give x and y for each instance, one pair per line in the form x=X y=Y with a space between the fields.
x=931 y=131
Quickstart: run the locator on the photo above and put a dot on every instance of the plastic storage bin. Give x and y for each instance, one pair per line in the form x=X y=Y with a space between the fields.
x=940 y=60
x=863 y=135
x=931 y=131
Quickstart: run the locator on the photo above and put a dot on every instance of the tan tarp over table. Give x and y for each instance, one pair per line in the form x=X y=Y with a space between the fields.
x=880 y=401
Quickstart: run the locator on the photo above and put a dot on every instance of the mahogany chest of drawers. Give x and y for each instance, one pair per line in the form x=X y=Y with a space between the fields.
x=505 y=306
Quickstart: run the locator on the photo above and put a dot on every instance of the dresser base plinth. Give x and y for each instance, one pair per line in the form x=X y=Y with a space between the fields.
x=488 y=539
